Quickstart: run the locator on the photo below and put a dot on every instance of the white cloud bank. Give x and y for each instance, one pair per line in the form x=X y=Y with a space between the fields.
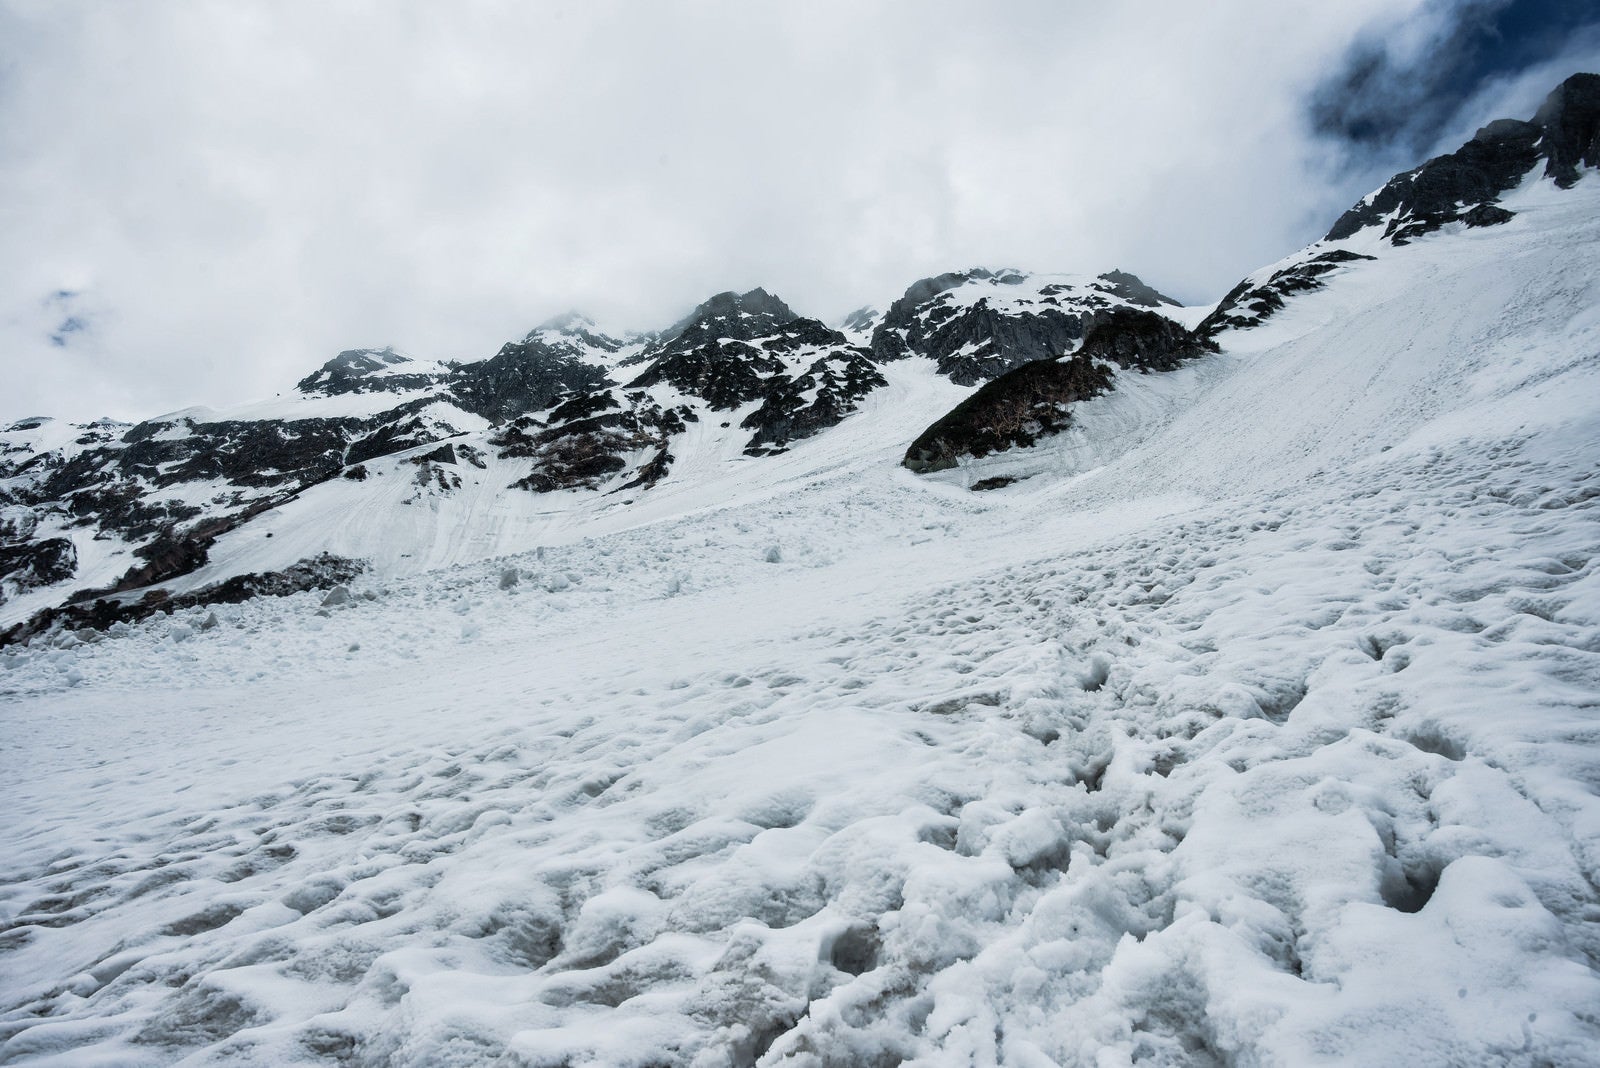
x=234 y=192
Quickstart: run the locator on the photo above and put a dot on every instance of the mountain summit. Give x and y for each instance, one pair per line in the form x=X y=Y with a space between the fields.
x=1465 y=186
x=973 y=367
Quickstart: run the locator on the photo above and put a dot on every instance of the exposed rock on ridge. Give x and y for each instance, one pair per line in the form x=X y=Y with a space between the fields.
x=1564 y=132
x=1034 y=400
x=1248 y=303
x=1462 y=187
x=978 y=324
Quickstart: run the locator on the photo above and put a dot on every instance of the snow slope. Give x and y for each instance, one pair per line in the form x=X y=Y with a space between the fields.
x=1267 y=736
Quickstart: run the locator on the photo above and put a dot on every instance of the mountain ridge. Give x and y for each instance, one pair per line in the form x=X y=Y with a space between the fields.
x=113 y=511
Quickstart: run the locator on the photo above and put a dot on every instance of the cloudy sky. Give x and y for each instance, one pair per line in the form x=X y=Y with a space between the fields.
x=200 y=202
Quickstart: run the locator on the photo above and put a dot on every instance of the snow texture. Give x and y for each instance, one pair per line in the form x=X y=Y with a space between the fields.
x=1258 y=730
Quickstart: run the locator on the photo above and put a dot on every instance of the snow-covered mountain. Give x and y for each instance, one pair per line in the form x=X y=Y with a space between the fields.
x=447 y=462
x=676 y=701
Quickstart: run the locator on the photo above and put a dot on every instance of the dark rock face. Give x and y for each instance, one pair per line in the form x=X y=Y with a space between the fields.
x=1034 y=400
x=257 y=454
x=727 y=373
x=1565 y=133
x=319 y=572
x=433 y=477
x=586 y=450
x=30 y=565
x=584 y=406
x=906 y=329
x=115 y=484
x=1427 y=198
x=976 y=344
x=437 y=470
x=357 y=371
x=444 y=454
x=169 y=556
x=1013 y=411
x=137 y=484
x=650 y=473
x=864 y=318
x=834 y=385
x=523 y=377
x=125 y=507
x=1142 y=341
x=1133 y=290
x=734 y=350
x=739 y=316
x=1570 y=119
x=729 y=347
x=398 y=430
x=1247 y=305
x=737 y=349
x=973 y=342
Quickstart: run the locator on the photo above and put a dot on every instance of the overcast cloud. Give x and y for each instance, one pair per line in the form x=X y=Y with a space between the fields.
x=200 y=202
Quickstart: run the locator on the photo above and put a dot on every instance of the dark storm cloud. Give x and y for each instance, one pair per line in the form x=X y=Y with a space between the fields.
x=233 y=192
x=1399 y=93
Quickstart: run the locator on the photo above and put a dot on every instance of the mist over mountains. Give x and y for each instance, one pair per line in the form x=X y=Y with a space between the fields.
x=1035 y=670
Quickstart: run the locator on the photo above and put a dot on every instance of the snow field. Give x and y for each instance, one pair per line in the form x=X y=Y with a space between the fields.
x=1270 y=741
x=1252 y=783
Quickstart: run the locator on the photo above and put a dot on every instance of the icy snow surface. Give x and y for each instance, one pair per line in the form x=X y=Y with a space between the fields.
x=1266 y=736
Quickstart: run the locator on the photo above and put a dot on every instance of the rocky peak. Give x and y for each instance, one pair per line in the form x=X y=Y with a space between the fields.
x=977 y=324
x=576 y=327
x=1569 y=119
x=525 y=376
x=728 y=370
x=759 y=302
x=925 y=289
x=351 y=371
x=739 y=316
x=1134 y=290
x=860 y=321
x=717 y=331
x=566 y=323
x=1465 y=185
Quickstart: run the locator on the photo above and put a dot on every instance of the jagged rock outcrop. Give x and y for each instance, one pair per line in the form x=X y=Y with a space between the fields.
x=1034 y=400
x=28 y=565
x=524 y=376
x=1249 y=302
x=1013 y=411
x=1131 y=288
x=1145 y=341
x=978 y=324
x=819 y=397
x=861 y=322
x=726 y=316
x=404 y=427
x=1570 y=119
x=1461 y=187
x=368 y=371
x=589 y=440
x=99 y=611
x=1564 y=133
x=740 y=348
x=726 y=373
